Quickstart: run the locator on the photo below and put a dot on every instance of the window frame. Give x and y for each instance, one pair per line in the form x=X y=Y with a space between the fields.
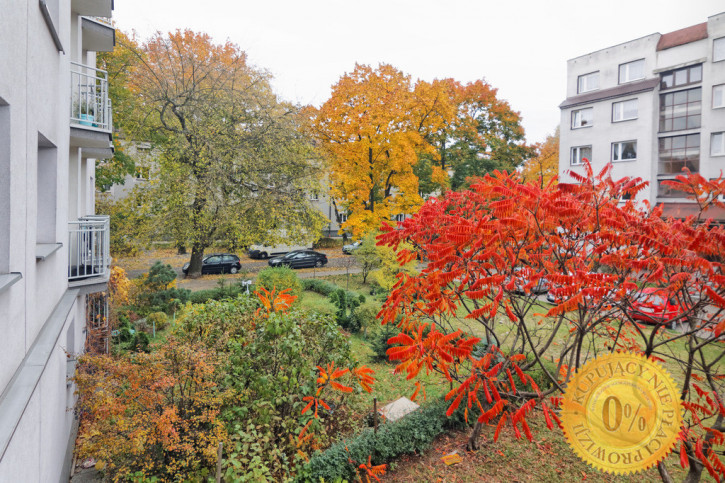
x=721 y=42
x=722 y=96
x=579 y=148
x=682 y=158
x=687 y=109
x=621 y=150
x=623 y=119
x=579 y=79
x=628 y=64
x=674 y=72
x=721 y=134
x=574 y=112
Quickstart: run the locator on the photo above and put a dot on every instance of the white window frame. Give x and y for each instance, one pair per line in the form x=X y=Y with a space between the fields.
x=622 y=103
x=618 y=148
x=718 y=49
x=314 y=196
x=583 y=82
x=576 y=155
x=721 y=89
x=343 y=217
x=627 y=68
x=717 y=144
x=576 y=118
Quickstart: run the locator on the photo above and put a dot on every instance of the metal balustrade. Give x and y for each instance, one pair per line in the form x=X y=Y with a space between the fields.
x=90 y=105
x=89 y=248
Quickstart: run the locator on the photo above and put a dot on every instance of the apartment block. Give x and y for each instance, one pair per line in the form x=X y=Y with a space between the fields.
x=55 y=122
x=651 y=106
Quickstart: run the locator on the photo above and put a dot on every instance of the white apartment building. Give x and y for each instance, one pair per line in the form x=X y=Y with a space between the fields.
x=55 y=121
x=651 y=107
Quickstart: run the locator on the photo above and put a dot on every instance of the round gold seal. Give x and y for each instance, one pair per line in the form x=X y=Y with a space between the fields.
x=621 y=413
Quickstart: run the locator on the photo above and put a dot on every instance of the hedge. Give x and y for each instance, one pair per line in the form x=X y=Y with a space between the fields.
x=413 y=433
x=321 y=287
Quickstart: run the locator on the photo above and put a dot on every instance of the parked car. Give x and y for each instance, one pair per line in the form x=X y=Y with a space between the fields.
x=522 y=275
x=217 y=263
x=300 y=259
x=348 y=249
x=655 y=306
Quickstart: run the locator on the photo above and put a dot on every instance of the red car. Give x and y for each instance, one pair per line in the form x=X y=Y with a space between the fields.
x=654 y=306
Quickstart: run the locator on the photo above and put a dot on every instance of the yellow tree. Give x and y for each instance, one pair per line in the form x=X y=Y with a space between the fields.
x=370 y=133
x=545 y=164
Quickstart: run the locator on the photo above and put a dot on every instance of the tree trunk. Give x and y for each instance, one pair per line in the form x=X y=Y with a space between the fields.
x=197 y=254
x=180 y=249
x=473 y=438
x=664 y=474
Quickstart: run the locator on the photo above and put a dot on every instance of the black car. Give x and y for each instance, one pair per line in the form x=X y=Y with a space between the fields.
x=217 y=263
x=300 y=259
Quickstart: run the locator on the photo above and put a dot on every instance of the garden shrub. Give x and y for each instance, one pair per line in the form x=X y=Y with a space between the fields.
x=413 y=433
x=203 y=296
x=346 y=302
x=157 y=291
x=157 y=319
x=322 y=287
x=379 y=342
x=365 y=315
x=279 y=278
x=327 y=242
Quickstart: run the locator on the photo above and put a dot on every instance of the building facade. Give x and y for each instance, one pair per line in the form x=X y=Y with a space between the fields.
x=55 y=121
x=651 y=107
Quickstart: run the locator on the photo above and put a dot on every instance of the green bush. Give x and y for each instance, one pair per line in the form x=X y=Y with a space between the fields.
x=329 y=243
x=280 y=278
x=346 y=302
x=322 y=287
x=365 y=315
x=156 y=295
x=203 y=296
x=410 y=434
x=158 y=319
x=379 y=342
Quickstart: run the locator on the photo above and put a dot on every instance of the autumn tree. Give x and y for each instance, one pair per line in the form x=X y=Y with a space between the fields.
x=472 y=316
x=368 y=132
x=233 y=164
x=472 y=130
x=544 y=165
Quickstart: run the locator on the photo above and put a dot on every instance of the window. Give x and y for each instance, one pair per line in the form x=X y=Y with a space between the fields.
x=624 y=111
x=718 y=49
x=46 y=193
x=399 y=217
x=681 y=77
x=680 y=110
x=342 y=217
x=679 y=152
x=631 y=71
x=588 y=82
x=314 y=196
x=664 y=191
x=582 y=118
x=718 y=96
x=624 y=151
x=579 y=154
x=717 y=144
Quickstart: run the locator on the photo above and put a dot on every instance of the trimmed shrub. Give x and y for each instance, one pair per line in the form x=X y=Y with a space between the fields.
x=379 y=342
x=365 y=315
x=327 y=242
x=279 y=278
x=159 y=319
x=413 y=433
x=322 y=287
x=203 y=296
x=346 y=302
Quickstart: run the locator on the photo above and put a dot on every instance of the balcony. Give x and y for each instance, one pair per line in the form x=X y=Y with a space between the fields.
x=100 y=8
x=89 y=254
x=90 y=111
x=98 y=34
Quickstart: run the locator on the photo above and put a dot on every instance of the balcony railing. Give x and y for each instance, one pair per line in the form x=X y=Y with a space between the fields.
x=102 y=20
x=90 y=105
x=89 y=248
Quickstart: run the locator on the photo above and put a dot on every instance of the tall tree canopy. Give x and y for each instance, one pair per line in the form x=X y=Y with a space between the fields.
x=234 y=164
x=392 y=142
x=545 y=164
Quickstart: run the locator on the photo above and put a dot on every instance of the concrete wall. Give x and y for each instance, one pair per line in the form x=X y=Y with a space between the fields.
x=38 y=185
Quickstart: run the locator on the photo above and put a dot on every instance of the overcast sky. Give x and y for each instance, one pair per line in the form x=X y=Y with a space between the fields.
x=520 y=47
